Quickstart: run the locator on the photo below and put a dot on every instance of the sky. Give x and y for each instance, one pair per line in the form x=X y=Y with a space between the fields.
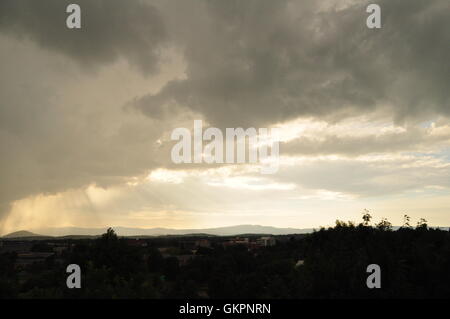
x=86 y=115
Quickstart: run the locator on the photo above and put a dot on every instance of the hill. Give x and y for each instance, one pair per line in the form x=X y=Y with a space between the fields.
x=219 y=231
x=21 y=234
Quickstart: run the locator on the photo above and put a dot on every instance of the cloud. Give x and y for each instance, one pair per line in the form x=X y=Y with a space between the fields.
x=255 y=63
x=362 y=137
x=96 y=106
x=367 y=176
x=62 y=128
x=111 y=29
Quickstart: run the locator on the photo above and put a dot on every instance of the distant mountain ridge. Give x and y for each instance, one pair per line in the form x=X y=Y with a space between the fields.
x=21 y=234
x=127 y=231
x=79 y=232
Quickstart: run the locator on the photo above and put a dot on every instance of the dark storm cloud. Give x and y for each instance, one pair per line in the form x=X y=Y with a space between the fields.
x=259 y=62
x=62 y=128
x=110 y=29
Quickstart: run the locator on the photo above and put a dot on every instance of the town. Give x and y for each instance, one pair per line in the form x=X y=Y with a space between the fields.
x=346 y=260
x=30 y=252
x=163 y=258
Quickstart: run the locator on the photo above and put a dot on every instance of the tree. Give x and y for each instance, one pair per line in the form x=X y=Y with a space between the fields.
x=110 y=235
x=155 y=260
x=384 y=225
x=422 y=224
x=406 y=220
x=366 y=217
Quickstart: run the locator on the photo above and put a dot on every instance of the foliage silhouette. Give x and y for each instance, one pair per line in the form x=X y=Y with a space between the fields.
x=415 y=263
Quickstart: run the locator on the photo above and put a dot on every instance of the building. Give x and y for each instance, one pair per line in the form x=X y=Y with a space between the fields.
x=29 y=258
x=136 y=242
x=60 y=249
x=183 y=260
x=15 y=246
x=187 y=244
x=205 y=243
x=237 y=241
x=267 y=241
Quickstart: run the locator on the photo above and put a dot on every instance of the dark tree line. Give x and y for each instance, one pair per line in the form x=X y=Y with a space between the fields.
x=414 y=261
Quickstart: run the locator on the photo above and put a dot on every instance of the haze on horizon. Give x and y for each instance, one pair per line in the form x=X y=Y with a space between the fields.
x=86 y=115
